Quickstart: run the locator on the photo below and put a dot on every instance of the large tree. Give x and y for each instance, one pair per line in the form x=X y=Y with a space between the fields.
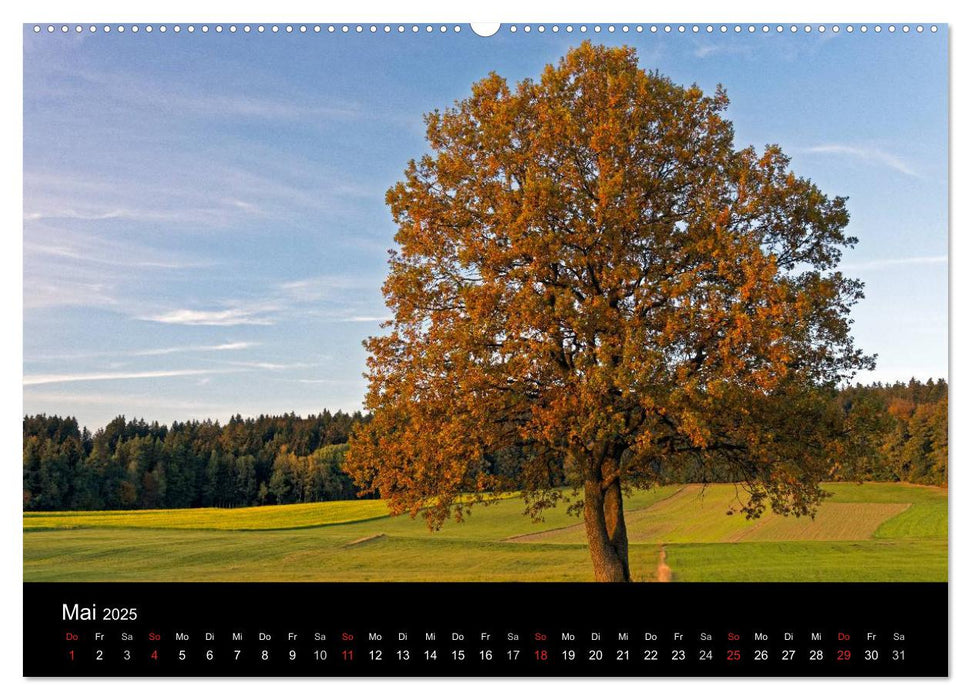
x=592 y=286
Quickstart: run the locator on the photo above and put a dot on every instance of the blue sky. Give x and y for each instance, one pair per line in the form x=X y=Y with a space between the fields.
x=204 y=222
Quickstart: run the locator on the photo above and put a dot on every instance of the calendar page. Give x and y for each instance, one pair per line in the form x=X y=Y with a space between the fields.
x=590 y=349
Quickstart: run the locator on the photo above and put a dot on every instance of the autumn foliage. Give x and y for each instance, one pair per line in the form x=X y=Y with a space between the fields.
x=593 y=284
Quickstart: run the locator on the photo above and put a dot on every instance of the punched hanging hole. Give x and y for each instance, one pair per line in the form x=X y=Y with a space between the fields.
x=485 y=29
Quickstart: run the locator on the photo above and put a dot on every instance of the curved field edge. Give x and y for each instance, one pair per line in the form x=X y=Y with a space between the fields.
x=501 y=517
x=275 y=517
x=256 y=518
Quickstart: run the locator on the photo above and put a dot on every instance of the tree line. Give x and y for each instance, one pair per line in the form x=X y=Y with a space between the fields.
x=893 y=432
x=132 y=464
x=909 y=442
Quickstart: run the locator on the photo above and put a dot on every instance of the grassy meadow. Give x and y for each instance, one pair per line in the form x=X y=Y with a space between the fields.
x=863 y=532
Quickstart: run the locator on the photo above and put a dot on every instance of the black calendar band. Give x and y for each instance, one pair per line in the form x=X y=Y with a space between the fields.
x=485 y=629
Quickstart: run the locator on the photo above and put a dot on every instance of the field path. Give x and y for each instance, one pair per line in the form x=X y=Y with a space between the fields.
x=663 y=570
x=364 y=540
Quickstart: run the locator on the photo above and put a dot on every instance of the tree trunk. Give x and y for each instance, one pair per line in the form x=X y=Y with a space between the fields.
x=603 y=515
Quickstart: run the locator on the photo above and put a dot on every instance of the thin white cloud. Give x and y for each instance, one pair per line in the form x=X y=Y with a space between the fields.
x=896 y=262
x=224 y=317
x=706 y=50
x=184 y=99
x=253 y=107
x=326 y=287
x=84 y=216
x=71 y=267
x=875 y=155
x=56 y=211
x=365 y=319
x=212 y=215
x=151 y=352
x=34 y=379
x=42 y=293
x=248 y=207
x=274 y=366
x=195 y=348
x=121 y=402
x=349 y=382
x=120 y=260
x=338 y=298
x=192 y=190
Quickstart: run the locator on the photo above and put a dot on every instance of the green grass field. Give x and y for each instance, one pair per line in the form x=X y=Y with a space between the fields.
x=863 y=532
x=270 y=518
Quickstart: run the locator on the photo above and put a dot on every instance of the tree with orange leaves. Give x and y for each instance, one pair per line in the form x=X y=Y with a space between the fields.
x=591 y=284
